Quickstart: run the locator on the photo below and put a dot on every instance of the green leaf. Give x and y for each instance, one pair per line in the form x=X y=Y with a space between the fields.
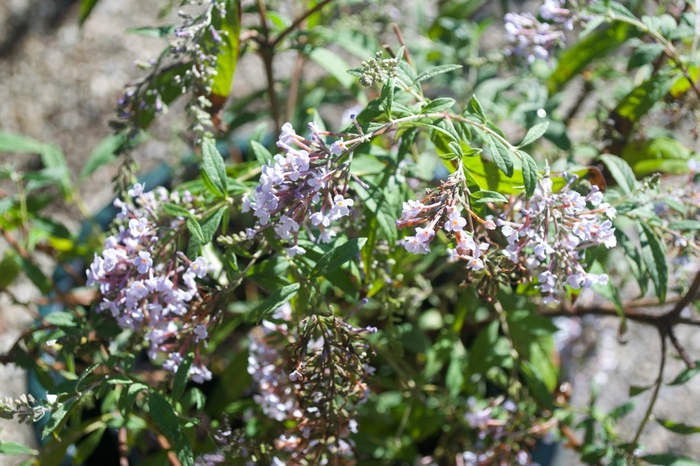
x=262 y=155
x=129 y=395
x=639 y=101
x=86 y=7
x=597 y=45
x=659 y=155
x=529 y=172
x=16 y=144
x=622 y=410
x=196 y=229
x=476 y=108
x=57 y=418
x=387 y=96
x=87 y=446
x=337 y=256
x=621 y=172
x=645 y=54
x=501 y=155
x=686 y=374
x=335 y=65
x=667 y=459
x=9 y=269
x=103 y=154
x=684 y=225
x=275 y=300
x=678 y=428
x=636 y=390
x=213 y=167
x=176 y=210
x=482 y=197
x=182 y=376
x=654 y=255
x=35 y=274
x=13 y=448
x=61 y=319
x=434 y=71
x=534 y=133
x=165 y=418
x=211 y=224
x=226 y=50
x=438 y=105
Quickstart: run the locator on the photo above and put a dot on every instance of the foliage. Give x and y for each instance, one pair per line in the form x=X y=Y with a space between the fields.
x=382 y=292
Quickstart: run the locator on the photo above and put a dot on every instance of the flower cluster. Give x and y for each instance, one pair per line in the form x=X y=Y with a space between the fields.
x=532 y=39
x=25 y=409
x=548 y=233
x=302 y=186
x=149 y=287
x=195 y=48
x=329 y=361
x=442 y=208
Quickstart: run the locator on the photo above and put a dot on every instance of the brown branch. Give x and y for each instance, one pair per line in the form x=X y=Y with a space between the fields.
x=123 y=448
x=681 y=351
x=298 y=21
x=652 y=402
x=406 y=53
x=686 y=300
x=657 y=320
x=294 y=86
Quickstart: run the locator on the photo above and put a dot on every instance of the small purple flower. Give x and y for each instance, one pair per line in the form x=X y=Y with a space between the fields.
x=144 y=262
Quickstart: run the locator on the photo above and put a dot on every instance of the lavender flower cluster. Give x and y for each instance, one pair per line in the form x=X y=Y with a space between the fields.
x=442 y=208
x=532 y=39
x=149 y=287
x=190 y=46
x=328 y=367
x=548 y=233
x=301 y=187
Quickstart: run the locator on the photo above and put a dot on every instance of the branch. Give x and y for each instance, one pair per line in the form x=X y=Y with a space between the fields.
x=298 y=21
x=659 y=379
x=686 y=300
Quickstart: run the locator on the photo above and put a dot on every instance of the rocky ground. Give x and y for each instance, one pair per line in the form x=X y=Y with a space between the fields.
x=59 y=83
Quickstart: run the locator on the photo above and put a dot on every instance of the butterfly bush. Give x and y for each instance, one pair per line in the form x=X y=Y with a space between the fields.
x=146 y=285
x=317 y=387
x=533 y=39
x=548 y=234
x=306 y=186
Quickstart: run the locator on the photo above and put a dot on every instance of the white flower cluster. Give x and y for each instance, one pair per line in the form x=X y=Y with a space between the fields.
x=550 y=231
x=301 y=186
x=147 y=289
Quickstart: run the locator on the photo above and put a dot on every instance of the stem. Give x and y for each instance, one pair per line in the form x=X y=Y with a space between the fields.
x=647 y=415
x=294 y=86
x=298 y=21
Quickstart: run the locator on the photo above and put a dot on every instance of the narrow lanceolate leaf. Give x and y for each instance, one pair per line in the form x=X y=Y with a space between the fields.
x=13 y=448
x=639 y=101
x=434 y=71
x=176 y=210
x=476 y=108
x=181 y=377
x=686 y=374
x=529 y=173
x=500 y=155
x=438 y=105
x=387 y=96
x=196 y=229
x=678 y=428
x=102 y=154
x=482 y=197
x=668 y=459
x=683 y=225
x=262 y=155
x=86 y=7
x=275 y=300
x=534 y=133
x=226 y=43
x=338 y=256
x=654 y=255
x=57 y=419
x=16 y=144
x=213 y=167
x=165 y=418
x=621 y=172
